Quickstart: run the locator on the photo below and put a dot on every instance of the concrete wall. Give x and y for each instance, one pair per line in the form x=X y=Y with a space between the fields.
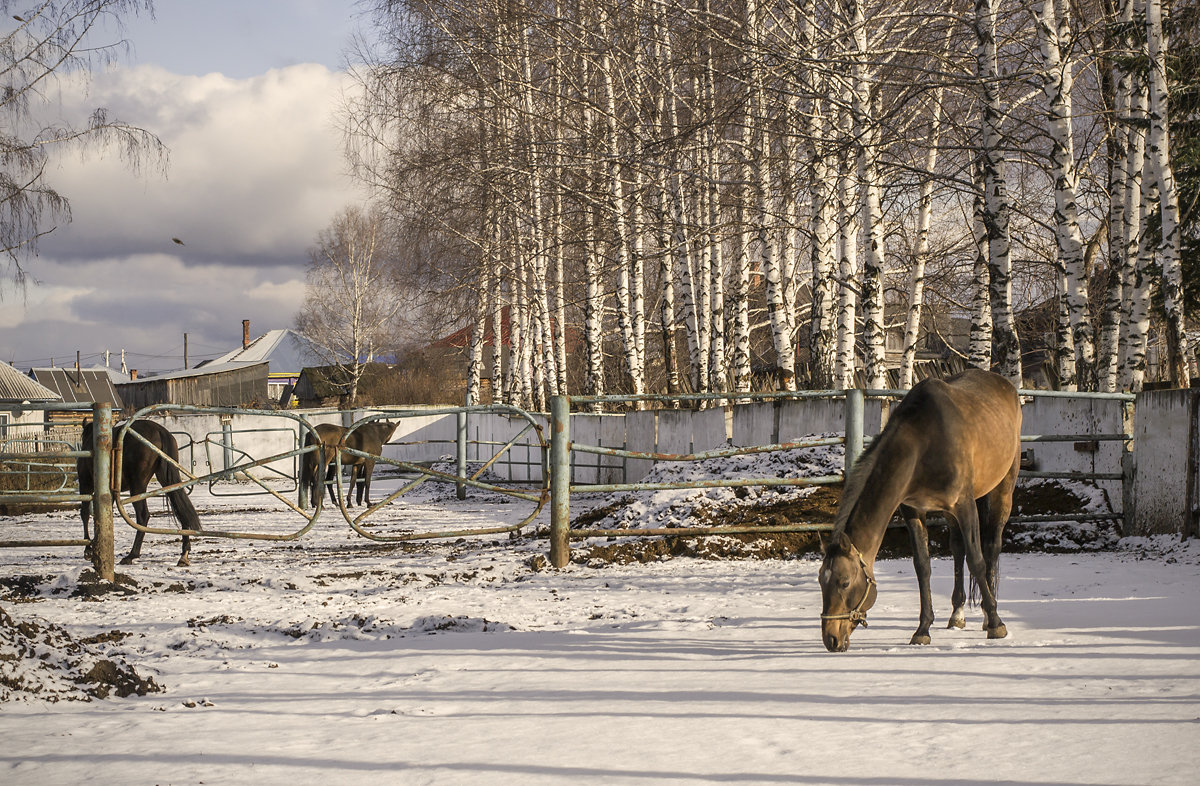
x=1165 y=477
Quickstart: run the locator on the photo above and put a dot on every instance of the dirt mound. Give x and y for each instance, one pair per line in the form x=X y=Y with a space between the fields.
x=819 y=506
x=45 y=663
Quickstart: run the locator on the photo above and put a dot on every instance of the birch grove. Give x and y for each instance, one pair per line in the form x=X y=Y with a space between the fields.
x=719 y=196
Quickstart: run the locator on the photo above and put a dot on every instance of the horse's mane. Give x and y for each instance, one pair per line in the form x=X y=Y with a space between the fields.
x=855 y=481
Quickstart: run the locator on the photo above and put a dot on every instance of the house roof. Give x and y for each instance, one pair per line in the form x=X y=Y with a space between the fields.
x=461 y=339
x=15 y=386
x=199 y=371
x=86 y=386
x=287 y=351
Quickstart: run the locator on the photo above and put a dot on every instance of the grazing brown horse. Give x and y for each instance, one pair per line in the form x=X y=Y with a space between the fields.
x=367 y=438
x=139 y=463
x=950 y=445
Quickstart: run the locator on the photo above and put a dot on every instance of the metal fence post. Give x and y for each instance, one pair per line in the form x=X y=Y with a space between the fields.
x=102 y=491
x=460 y=448
x=227 y=440
x=854 y=426
x=560 y=480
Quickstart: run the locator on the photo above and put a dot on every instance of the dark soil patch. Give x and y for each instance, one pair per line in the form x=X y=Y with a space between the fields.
x=91 y=587
x=46 y=663
x=21 y=589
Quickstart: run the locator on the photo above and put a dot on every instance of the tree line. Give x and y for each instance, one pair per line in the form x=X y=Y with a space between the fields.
x=668 y=194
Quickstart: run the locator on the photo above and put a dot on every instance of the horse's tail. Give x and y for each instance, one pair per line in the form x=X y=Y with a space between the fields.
x=308 y=466
x=168 y=475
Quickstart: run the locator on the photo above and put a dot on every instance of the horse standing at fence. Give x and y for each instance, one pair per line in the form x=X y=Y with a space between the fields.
x=317 y=463
x=140 y=463
x=368 y=438
x=950 y=445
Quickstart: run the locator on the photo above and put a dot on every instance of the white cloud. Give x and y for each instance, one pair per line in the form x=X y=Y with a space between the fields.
x=255 y=167
x=256 y=170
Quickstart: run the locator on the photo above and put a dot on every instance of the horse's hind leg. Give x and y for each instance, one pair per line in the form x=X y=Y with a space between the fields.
x=330 y=483
x=354 y=480
x=958 y=617
x=919 y=536
x=364 y=485
x=968 y=523
x=142 y=516
x=85 y=509
x=185 y=554
x=994 y=511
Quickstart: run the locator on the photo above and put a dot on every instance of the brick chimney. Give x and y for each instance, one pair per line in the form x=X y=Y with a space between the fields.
x=245 y=334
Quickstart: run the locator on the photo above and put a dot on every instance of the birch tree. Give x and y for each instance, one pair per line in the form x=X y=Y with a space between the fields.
x=1159 y=154
x=1006 y=344
x=352 y=296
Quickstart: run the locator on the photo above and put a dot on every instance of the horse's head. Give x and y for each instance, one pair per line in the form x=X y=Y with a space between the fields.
x=847 y=592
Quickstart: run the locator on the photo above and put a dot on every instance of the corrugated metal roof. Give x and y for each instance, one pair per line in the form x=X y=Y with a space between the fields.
x=15 y=386
x=87 y=386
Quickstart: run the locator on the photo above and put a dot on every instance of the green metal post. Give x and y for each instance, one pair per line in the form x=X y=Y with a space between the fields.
x=854 y=426
x=102 y=491
x=560 y=480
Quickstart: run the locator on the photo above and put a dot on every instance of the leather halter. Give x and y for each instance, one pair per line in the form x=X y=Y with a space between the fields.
x=857 y=615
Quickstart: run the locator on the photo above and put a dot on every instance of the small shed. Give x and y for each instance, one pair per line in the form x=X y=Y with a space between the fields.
x=227 y=385
x=328 y=386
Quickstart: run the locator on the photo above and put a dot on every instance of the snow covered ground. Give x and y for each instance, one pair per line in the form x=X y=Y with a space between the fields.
x=332 y=659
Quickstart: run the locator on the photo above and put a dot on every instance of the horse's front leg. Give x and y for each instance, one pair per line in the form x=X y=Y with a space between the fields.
x=186 y=553
x=958 y=616
x=919 y=536
x=968 y=523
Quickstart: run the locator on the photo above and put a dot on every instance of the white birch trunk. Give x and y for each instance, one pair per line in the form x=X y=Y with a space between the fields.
x=847 y=218
x=781 y=329
x=866 y=129
x=1005 y=342
x=979 y=351
x=618 y=209
x=1057 y=81
x=1115 y=317
x=916 y=280
x=1135 y=320
x=1158 y=149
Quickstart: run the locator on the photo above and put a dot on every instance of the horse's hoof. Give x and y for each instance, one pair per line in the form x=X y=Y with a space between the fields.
x=997 y=632
x=184 y=562
x=956 y=622
x=919 y=639
x=127 y=561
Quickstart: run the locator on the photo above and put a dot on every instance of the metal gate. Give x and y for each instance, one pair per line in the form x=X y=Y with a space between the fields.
x=562 y=448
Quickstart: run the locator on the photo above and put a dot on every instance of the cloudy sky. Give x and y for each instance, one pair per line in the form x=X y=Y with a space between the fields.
x=245 y=95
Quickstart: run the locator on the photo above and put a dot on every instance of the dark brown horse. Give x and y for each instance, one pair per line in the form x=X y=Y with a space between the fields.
x=367 y=438
x=140 y=463
x=950 y=445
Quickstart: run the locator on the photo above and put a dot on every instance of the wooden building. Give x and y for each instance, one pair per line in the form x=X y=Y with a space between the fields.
x=227 y=385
